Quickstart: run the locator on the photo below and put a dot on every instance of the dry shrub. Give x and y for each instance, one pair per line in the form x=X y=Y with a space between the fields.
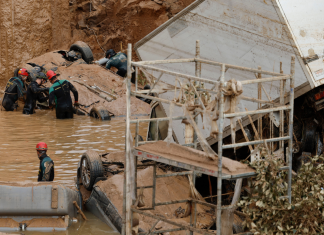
x=269 y=213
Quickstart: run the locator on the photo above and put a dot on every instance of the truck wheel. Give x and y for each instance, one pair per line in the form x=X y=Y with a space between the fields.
x=100 y=113
x=91 y=168
x=84 y=49
x=309 y=137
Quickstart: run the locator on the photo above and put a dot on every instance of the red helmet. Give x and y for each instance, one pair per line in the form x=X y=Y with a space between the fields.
x=41 y=146
x=23 y=72
x=50 y=74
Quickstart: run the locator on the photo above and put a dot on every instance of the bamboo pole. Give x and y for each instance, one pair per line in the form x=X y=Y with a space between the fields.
x=291 y=121
x=238 y=67
x=220 y=152
x=229 y=146
x=259 y=111
x=260 y=106
x=253 y=126
x=128 y=147
x=245 y=136
x=282 y=101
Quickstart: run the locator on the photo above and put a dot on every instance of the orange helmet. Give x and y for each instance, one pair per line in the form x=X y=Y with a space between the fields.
x=23 y=72
x=50 y=74
x=41 y=146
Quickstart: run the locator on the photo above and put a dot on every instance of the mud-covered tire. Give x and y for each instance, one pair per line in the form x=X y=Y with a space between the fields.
x=100 y=113
x=91 y=169
x=16 y=72
x=78 y=111
x=84 y=49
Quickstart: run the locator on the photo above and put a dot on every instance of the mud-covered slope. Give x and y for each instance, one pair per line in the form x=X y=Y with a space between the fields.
x=116 y=22
x=31 y=28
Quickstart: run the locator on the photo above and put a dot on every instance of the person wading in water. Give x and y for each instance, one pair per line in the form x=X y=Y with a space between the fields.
x=46 y=165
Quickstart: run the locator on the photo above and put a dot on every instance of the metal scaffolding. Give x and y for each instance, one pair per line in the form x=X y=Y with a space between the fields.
x=270 y=107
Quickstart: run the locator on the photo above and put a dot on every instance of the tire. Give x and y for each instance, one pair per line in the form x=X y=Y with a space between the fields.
x=84 y=49
x=78 y=111
x=16 y=72
x=309 y=137
x=100 y=113
x=91 y=169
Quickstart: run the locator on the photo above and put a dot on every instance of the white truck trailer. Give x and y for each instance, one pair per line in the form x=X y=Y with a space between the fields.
x=247 y=33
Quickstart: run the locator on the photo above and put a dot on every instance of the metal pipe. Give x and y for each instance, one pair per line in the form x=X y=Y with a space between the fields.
x=260 y=80
x=259 y=105
x=220 y=151
x=259 y=111
x=186 y=227
x=150 y=62
x=282 y=101
x=149 y=186
x=160 y=119
x=172 y=202
x=153 y=227
x=291 y=121
x=136 y=75
x=175 y=174
x=128 y=146
x=228 y=146
x=136 y=133
x=238 y=67
x=175 y=73
x=154 y=186
x=155 y=99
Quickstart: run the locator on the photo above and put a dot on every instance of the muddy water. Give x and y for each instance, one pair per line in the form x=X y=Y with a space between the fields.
x=66 y=140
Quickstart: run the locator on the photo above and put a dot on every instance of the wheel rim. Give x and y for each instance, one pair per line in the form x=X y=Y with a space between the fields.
x=85 y=171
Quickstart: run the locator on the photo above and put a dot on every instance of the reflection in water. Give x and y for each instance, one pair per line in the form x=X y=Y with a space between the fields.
x=66 y=140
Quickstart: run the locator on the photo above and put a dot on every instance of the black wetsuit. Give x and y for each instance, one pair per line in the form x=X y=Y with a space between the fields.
x=34 y=92
x=14 y=90
x=60 y=96
x=46 y=168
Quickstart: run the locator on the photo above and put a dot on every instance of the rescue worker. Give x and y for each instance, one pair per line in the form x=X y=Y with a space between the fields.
x=35 y=92
x=46 y=165
x=59 y=95
x=14 y=90
x=119 y=61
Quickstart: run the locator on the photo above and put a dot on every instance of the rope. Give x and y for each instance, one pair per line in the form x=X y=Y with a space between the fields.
x=87 y=106
x=96 y=39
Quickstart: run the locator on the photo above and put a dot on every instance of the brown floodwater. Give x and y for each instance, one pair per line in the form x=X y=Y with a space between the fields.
x=66 y=140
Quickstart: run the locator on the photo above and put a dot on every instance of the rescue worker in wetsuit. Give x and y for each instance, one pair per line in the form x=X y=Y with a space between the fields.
x=46 y=165
x=35 y=92
x=14 y=90
x=119 y=61
x=59 y=95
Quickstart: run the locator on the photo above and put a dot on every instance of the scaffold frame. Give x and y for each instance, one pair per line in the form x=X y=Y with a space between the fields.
x=270 y=107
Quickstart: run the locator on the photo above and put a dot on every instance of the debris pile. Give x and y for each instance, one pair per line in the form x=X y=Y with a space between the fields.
x=83 y=75
x=269 y=212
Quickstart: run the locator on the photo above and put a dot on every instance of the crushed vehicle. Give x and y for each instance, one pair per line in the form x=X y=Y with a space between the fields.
x=256 y=33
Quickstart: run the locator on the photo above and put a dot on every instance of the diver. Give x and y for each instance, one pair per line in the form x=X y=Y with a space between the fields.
x=46 y=165
x=14 y=90
x=35 y=92
x=59 y=95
